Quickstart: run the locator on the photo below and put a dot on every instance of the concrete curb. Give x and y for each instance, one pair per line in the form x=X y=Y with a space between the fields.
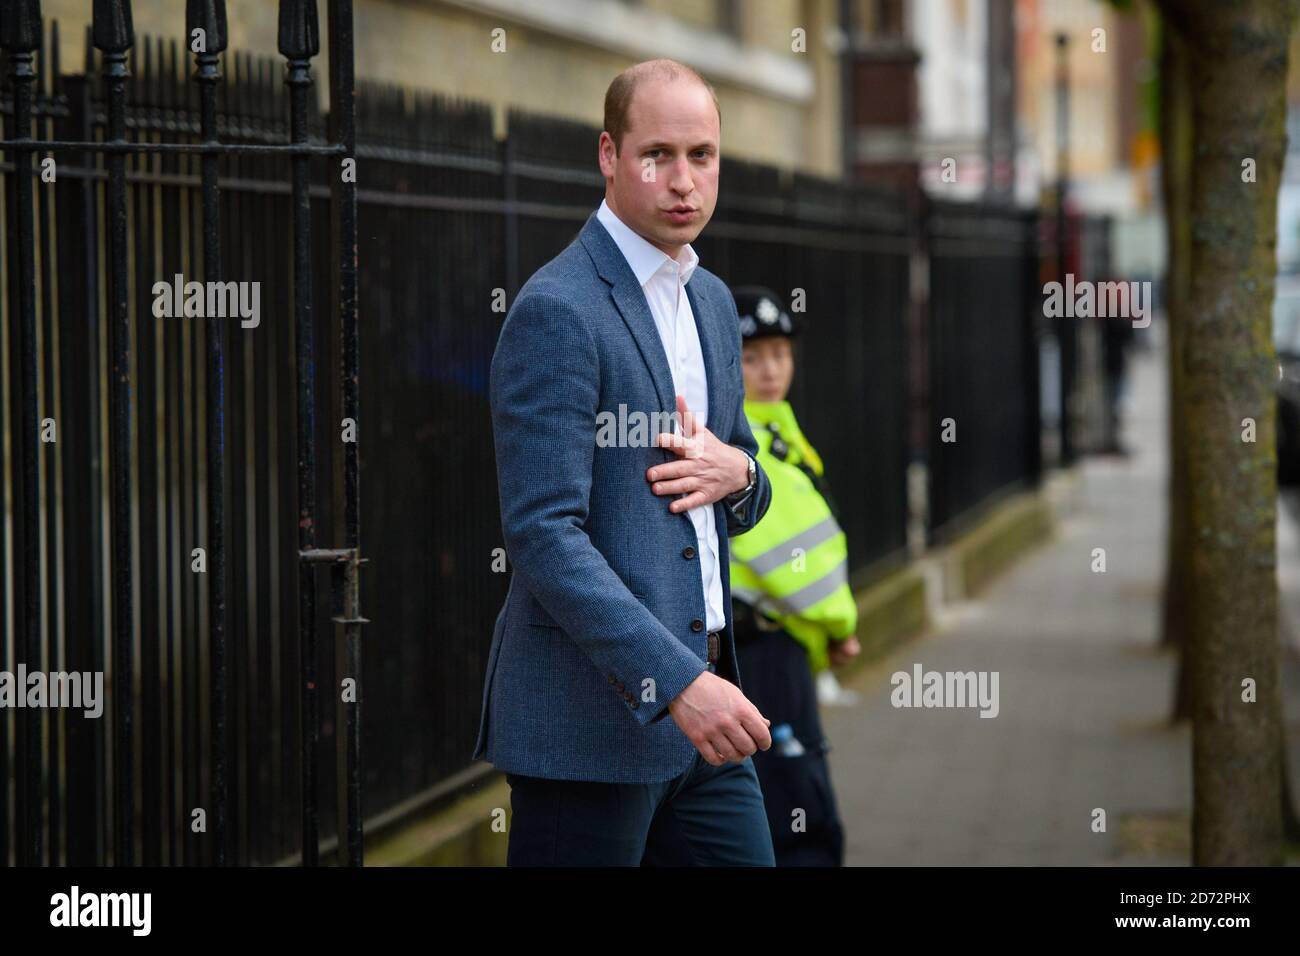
x=891 y=612
x=1010 y=530
x=459 y=835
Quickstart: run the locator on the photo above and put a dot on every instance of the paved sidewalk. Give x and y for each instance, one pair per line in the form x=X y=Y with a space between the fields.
x=1084 y=696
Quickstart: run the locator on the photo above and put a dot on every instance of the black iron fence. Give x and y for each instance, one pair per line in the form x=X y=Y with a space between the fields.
x=983 y=410
x=180 y=278
x=221 y=693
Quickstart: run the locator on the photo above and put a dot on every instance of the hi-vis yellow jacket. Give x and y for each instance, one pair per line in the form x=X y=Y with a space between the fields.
x=793 y=565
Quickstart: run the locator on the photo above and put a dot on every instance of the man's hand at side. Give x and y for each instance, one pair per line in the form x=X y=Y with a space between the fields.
x=719 y=720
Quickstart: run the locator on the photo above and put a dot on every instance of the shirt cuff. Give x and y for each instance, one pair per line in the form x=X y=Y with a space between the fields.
x=739 y=506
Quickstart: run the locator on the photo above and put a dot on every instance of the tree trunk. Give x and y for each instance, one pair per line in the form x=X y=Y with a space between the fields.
x=1238 y=53
x=1176 y=181
x=1290 y=820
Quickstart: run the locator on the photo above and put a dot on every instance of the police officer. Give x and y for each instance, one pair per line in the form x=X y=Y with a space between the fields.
x=794 y=612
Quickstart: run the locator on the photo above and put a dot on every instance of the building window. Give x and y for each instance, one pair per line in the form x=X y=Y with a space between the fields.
x=880 y=19
x=889 y=14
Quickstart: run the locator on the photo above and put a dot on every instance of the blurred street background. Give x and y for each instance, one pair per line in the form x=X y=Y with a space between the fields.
x=1079 y=654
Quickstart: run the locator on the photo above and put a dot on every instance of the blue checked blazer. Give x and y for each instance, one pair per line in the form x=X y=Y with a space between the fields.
x=603 y=623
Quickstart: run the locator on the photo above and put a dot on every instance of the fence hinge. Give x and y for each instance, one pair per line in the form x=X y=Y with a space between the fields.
x=345 y=581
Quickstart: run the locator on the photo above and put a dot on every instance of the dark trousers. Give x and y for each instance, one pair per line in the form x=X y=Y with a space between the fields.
x=797 y=794
x=706 y=816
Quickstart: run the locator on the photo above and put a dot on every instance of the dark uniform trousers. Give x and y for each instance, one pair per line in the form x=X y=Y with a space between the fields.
x=778 y=681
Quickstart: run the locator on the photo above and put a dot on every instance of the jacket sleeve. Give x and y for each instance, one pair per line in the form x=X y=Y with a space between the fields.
x=750 y=511
x=545 y=388
x=840 y=616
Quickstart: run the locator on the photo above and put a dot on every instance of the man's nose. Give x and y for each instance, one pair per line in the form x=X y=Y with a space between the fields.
x=680 y=180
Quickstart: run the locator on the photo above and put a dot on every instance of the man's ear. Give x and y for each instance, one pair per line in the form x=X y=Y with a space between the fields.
x=601 y=153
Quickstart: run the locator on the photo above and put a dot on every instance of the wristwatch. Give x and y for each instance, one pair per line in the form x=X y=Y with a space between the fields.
x=738 y=496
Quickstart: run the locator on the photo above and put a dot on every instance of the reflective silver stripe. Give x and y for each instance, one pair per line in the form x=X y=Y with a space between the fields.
x=775 y=557
x=759 y=600
x=823 y=587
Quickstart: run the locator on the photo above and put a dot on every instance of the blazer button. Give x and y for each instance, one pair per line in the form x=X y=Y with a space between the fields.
x=688 y=552
x=697 y=625
x=612 y=680
x=635 y=703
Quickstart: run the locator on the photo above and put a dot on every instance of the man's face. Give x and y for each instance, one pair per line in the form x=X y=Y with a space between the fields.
x=768 y=367
x=664 y=181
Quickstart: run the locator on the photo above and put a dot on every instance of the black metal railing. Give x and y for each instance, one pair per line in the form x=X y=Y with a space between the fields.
x=983 y=423
x=128 y=559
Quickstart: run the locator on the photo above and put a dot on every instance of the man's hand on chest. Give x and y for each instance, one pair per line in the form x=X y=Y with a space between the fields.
x=706 y=470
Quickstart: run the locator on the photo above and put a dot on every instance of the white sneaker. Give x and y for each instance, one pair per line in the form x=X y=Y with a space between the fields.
x=831 y=694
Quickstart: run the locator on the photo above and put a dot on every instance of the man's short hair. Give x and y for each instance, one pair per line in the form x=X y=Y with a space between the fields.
x=618 y=98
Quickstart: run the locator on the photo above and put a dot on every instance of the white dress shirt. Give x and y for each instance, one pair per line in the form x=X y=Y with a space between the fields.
x=663 y=280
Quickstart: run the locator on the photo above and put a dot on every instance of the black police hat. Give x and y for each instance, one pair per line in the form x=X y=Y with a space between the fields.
x=762 y=313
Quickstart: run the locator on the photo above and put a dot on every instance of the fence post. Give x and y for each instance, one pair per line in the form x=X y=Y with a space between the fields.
x=114 y=36
x=74 y=216
x=299 y=41
x=920 y=392
x=20 y=36
x=210 y=17
x=347 y=577
x=1030 y=269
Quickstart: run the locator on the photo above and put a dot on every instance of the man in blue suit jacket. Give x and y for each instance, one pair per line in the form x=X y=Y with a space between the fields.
x=616 y=524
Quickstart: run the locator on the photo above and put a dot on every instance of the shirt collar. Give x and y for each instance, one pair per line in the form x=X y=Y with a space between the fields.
x=643 y=258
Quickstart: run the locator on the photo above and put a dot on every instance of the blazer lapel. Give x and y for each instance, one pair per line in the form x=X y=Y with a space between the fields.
x=632 y=306
x=709 y=348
